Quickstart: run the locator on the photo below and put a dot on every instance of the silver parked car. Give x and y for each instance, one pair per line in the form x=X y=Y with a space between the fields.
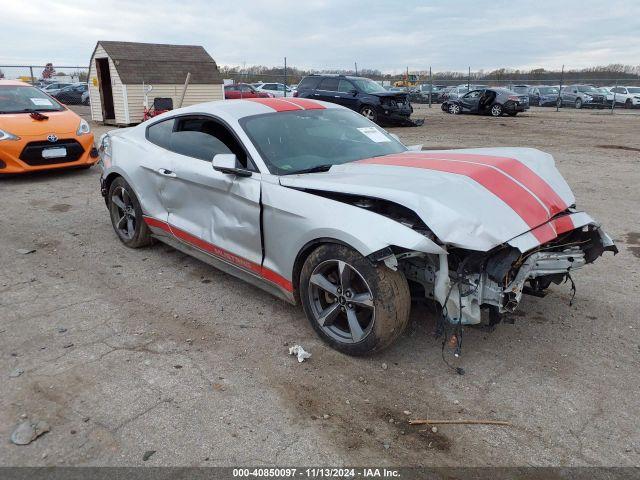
x=319 y=206
x=581 y=96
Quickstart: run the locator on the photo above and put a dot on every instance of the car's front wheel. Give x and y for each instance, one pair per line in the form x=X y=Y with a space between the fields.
x=126 y=215
x=356 y=307
x=369 y=112
x=454 y=109
x=578 y=103
x=496 y=110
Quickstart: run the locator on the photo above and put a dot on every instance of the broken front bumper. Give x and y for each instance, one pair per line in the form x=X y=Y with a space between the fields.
x=496 y=280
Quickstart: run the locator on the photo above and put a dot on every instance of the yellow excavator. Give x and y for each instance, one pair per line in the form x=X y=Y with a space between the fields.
x=408 y=80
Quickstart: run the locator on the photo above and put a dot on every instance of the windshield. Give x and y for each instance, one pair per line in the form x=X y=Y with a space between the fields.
x=18 y=98
x=302 y=139
x=587 y=88
x=634 y=90
x=520 y=89
x=368 y=86
x=548 y=90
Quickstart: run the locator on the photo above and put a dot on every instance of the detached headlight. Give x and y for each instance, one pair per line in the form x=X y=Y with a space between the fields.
x=8 y=136
x=83 y=128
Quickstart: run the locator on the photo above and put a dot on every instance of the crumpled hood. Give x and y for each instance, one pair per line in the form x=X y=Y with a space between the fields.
x=473 y=198
x=22 y=125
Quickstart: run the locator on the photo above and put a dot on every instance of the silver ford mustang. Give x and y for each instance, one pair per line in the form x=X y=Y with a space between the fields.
x=319 y=206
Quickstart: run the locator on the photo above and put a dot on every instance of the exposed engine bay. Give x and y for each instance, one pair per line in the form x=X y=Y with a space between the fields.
x=466 y=282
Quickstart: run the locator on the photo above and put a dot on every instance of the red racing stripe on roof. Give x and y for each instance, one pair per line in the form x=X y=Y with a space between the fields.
x=277 y=104
x=517 y=170
x=514 y=195
x=305 y=103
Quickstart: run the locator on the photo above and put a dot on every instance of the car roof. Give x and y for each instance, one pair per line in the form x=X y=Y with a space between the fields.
x=14 y=83
x=240 y=108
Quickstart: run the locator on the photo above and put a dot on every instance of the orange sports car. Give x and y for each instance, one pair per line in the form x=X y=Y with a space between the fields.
x=39 y=133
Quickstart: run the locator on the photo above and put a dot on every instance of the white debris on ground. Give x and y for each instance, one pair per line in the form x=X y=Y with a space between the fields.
x=299 y=352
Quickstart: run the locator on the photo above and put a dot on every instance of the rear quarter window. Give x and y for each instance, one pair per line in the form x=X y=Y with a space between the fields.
x=160 y=133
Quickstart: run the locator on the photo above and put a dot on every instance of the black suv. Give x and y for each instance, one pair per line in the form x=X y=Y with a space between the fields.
x=360 y=94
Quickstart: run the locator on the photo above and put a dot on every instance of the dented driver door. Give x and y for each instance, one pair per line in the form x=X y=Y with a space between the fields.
x=215 y=212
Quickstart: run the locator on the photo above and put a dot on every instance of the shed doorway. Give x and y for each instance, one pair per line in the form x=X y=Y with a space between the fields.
x=106 y=93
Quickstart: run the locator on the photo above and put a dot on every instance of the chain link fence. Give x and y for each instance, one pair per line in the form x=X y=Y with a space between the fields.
x=41 y=75
x=420 y=83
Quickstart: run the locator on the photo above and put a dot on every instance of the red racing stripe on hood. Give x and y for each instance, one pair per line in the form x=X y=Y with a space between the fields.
x=515 y=169
x=514 y=195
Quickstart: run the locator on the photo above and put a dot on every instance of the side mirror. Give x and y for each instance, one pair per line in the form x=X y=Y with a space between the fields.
x=228 y=163
x=353 y=92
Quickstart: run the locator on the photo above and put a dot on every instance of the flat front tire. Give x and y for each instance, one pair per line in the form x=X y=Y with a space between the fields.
x=126 y=215
x=356 y=307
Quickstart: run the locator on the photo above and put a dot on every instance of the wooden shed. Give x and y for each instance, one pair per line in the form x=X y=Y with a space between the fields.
x=119 y=72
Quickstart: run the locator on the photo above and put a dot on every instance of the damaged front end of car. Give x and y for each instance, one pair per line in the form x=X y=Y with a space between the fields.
x=465 y=282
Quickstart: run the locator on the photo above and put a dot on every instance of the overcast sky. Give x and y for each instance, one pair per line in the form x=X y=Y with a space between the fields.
x=325 y=34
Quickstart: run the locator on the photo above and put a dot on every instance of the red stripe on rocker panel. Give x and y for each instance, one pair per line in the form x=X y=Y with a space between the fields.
x=277 y=104
x=153 y=222
x=515 y=196
x=518 y=170
x=219 y=252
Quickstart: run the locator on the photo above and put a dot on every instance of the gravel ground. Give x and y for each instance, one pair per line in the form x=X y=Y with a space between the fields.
x=129 y=351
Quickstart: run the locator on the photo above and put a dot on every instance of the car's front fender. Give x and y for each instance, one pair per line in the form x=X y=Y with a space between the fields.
x=293 y=219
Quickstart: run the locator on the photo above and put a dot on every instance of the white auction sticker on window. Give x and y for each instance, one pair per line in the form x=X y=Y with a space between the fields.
x=374 y=134
x=41 y=102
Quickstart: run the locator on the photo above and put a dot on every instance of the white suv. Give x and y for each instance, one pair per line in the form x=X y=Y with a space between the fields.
x=275 y=89
x=627 y=96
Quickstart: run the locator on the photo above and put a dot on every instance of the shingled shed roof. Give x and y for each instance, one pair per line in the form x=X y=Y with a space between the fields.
x=161 y=64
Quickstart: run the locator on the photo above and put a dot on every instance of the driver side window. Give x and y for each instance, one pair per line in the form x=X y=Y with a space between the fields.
x=345 y=86
x=198 y=137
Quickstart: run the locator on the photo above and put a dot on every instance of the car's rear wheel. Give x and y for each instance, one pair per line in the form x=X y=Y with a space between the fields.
x=126 y=215
x=369 y=112
x=578 y=103
x=496 y=110
x=356 y=307
x=454 y=109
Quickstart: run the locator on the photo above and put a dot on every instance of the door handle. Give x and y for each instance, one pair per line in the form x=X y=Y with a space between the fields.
x=336 y=96
x=316 y=94
x=167 y=173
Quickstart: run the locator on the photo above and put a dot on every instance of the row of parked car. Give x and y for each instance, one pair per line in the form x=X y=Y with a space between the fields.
x=360 y=94
x=575 y=95
x=581 y=96
x=68 y=93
